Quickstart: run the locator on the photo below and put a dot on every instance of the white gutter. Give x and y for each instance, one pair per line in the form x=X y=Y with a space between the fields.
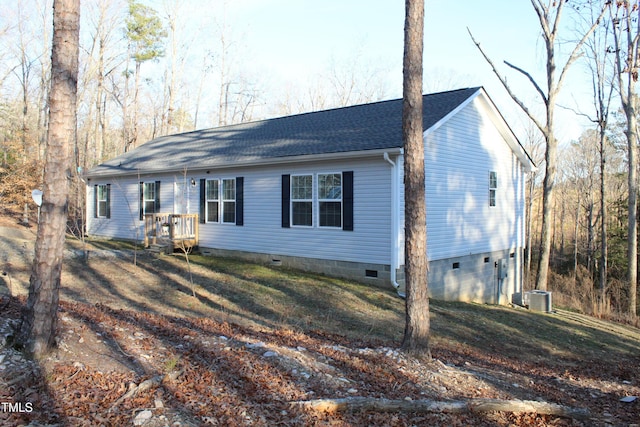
x=395 y=219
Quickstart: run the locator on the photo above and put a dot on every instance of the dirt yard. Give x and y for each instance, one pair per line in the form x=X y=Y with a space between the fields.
x=145 y=345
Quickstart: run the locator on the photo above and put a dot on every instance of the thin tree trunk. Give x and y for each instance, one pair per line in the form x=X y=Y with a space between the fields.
x=39 y=318
x=632 y=241
x=551 y=156
x=603 y=227
x=590 y=234
x=575 y=241
x=530 y=227
x=136 y=90
x=416 y=333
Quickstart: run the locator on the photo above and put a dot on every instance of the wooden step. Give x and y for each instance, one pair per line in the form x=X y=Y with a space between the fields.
x=157 y=248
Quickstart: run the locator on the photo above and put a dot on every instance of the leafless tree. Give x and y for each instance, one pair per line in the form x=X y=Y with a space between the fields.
x=535 y=147
x=603 y=83
x=627 y=36
x=549 y=16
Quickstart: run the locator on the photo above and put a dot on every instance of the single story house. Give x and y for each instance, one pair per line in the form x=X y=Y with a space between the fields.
x=323 y=191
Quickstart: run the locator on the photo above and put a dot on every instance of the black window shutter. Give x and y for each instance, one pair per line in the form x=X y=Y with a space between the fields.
x=95 y=201
x=203 y=200
x=108 y=213
x=157 y=201
x=240 y=200
x=347 y=201
x=286 y=201
x=141 y=201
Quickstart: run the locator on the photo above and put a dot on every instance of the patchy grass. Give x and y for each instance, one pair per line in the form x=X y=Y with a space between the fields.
x=563 y=336
x=271 y=297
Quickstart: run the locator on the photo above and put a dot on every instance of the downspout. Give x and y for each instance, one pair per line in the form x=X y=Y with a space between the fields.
x=395 y=226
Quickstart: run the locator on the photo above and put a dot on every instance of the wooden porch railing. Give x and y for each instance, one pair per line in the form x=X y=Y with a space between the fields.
x=180 y=230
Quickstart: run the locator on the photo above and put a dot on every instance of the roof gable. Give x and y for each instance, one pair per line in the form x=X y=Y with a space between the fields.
x=375 y=126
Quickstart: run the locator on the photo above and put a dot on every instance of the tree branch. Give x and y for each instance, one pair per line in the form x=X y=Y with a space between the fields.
x=506 y=86
x=575 y=54
x=542 y=11
x=531 y=79
x=436 y=406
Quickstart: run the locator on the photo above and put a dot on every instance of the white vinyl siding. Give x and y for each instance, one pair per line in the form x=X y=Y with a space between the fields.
x=262 y=231
x=459 y=157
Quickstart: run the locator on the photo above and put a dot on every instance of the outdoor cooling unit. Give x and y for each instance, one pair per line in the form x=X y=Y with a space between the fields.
x=540 y=301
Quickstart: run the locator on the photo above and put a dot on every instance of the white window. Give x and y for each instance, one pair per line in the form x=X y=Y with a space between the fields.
x=102 y=200
x=149 y=198
x=493 y=186
x=330 y=200
x=213 y=200
x=302 y=200
x=229 y=201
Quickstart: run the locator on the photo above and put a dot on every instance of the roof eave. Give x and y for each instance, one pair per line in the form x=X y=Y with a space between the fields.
x=253 y=163
x=506 y=132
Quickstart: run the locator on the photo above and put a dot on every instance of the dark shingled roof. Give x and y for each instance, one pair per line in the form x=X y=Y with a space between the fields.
x=358 y=128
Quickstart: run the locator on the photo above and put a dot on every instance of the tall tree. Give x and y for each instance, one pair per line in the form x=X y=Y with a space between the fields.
x=39 y=317
x=627 y=35
x=549 y=16
x=603 y=88
x=146 y=35
x=417 y=325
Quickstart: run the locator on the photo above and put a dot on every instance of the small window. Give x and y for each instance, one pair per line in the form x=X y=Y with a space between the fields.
x=486 y=259
x=102 y=201
x=512 y=255
x=229 y=201
x=150 y=197
x=493 y=186
x=213 y=200
x=330 y=199
x=371 y=273
x=456 y=265
x=302 y=200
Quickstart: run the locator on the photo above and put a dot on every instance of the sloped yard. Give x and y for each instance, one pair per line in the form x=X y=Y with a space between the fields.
x=137 y=347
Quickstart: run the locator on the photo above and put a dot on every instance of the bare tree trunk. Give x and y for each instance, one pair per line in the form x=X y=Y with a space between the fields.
x=125 y=108
x=39 y=317
x=627 y=64
x=632 y=242
x=603 y=227
x=532 y=185
x=136 y=90
x=416 y=332
x=590 y=233
x=575 y=241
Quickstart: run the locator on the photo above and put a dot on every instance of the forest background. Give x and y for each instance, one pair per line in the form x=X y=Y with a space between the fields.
x=154 y=68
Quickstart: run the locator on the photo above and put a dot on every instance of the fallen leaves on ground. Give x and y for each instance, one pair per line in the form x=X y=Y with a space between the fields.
x=197 y=371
